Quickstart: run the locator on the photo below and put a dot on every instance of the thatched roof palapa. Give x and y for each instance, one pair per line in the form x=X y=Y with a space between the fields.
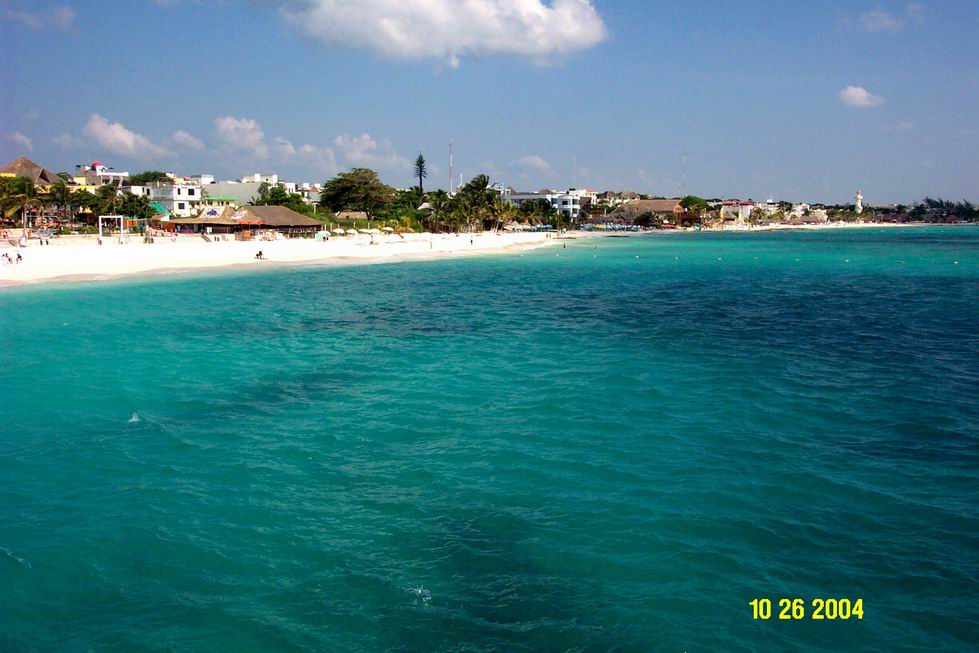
x=251 y=216
x=39 y=175
x=630 y=211
x=273 y=216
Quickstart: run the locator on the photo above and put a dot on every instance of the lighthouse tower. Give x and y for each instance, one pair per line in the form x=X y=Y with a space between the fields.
x=859 y=202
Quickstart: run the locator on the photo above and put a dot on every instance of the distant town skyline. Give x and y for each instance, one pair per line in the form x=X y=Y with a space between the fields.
x=763 y=99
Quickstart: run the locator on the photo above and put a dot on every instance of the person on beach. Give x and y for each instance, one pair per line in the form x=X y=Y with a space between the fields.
x=19 y=257
x=260 y=256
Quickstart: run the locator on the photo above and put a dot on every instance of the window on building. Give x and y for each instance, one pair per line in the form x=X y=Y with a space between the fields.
x=190 y=191
x=180 y=206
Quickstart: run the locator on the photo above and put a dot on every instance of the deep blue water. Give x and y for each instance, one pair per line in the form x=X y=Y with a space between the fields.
x=579 y=449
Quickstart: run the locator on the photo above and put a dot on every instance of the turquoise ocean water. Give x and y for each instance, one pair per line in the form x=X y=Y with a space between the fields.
x=579 y=449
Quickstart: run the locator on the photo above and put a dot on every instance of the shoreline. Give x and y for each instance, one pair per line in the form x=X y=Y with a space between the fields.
x=82 y=260
x=86 y=261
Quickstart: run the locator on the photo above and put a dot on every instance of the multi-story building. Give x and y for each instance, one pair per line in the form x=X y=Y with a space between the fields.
x=180 y=199
x=567 y=202
x=98 y=174
x=258 y=178
x=736 y=211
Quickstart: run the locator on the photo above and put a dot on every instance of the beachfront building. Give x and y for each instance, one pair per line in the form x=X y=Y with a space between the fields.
x=180 y=199
x=769 y=208
x=667 y=211
x=613 y=199
x=249 y=220
x=567 y=202
x=736 y=211
x=242 y=192
x=99 y=174
x=272 y=180
x=218 y=202
x=800 y=210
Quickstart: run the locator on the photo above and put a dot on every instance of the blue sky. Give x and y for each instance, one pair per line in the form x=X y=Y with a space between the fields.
x=806 y=101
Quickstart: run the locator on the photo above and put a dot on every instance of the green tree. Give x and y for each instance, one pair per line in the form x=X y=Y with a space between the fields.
x=60 y=196
x=358 y=190
x=538 y=211
x=148 y=177
x=84 y=201
x=475 y=199
x=18 y=195
x=107 y=200
x=502 y=212
x=694 y=205
x=441 y=205
x=135 y=206
x=404 y=206
x=275 y=195
x=421 y=173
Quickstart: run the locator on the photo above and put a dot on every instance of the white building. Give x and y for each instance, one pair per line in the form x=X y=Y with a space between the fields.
x=799 y=210
x=567 y=202
x=98 y=174
x=258 y=178
x=181 y=200
x=734 y=210
x=769 y=208
x=859 y=202
x=243 y=192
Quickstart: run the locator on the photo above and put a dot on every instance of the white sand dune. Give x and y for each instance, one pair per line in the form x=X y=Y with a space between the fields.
x=84 y=259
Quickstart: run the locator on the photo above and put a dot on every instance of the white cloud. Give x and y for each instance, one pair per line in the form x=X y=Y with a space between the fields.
x=116 y=138
x=366 y=151
x=314 y=159
x=879 y=20
x=448 y=29
x=858 y=97
x=66 y=141
x=187 y=141
x=242 y=134
x=283 y=148
x=535 y=162
x=60 y=17
x=21 y=141
x=321 y=160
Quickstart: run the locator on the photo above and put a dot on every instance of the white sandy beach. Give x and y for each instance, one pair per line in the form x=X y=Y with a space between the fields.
x=77 y=258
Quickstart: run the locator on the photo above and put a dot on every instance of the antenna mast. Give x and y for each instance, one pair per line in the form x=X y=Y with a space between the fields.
x=683 y=177
x=450 y=168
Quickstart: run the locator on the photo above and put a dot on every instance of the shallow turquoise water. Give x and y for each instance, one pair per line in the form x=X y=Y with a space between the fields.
x=571 y=450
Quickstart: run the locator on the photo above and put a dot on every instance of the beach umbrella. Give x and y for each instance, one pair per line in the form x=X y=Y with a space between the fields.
x=339 y=232
x=375 y=231
x=365 y=231
x=388 y=230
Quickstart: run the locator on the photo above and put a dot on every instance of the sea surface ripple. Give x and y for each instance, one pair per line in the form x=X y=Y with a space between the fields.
x=609 y=447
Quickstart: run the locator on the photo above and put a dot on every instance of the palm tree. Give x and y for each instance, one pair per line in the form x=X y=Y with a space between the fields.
x=441 y=204
x=502 y=212
x=19 y=195
x=61 y=196
x=421 y=172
